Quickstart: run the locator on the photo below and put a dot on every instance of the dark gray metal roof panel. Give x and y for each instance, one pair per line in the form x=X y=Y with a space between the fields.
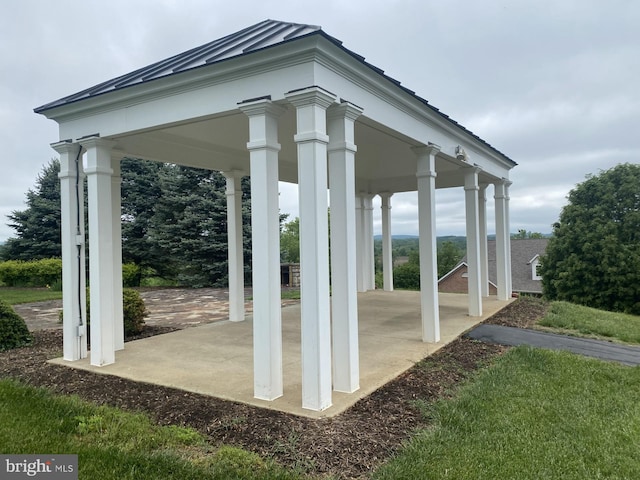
x=257 y=37
x=260 y=36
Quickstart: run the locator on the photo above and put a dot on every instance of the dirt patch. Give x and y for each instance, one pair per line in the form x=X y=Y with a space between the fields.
x=523 y=313
x=349 y=445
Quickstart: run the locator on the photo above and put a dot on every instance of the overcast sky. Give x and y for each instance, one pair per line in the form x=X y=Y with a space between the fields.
x=554 y=84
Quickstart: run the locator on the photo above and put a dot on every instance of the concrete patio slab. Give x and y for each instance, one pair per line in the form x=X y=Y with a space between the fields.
x=217 y=359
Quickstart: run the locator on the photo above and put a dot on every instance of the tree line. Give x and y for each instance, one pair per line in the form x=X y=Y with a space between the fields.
x=174 y=222
x=174 y=225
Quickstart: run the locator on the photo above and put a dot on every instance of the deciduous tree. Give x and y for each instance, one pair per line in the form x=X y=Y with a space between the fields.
x=290 y=241
x=593 y=257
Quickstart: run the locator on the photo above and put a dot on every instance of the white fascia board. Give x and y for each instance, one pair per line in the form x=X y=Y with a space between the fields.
x=196 y=94
x=389 y=104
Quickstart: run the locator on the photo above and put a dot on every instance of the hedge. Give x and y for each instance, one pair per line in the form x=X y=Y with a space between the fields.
x=33 y=273
x=48 y=273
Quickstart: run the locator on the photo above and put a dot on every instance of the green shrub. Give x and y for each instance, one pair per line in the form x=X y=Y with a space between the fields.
x=133 y=309
x=34 y=273
x=130 y=275
x=13 y=330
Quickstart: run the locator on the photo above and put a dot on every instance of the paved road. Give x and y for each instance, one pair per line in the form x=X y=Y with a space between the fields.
x=628 y=355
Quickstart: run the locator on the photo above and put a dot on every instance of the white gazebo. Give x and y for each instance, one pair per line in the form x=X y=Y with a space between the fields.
x=279 y=102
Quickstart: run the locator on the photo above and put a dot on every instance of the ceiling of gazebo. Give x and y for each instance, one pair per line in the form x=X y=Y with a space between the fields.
x=384 y=160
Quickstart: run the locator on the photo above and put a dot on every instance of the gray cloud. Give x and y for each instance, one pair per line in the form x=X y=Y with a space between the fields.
x=551 y=84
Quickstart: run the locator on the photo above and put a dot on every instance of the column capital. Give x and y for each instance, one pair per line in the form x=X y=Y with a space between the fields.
x=68 y=151
x=385 y=197
x=261 y=106
x=233 y=173
x=263 y=118
x=426 y=155
x=96 y=142
x=341 y=118
x=344 y=109
x=313 y=95
x=471 y=178
x=234 y=179
x=430 y=149
x=98 y=155
x=502 y=189
x=504 y=182
x=66 y=146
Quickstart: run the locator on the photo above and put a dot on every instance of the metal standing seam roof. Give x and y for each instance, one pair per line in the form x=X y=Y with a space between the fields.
x=260 y=36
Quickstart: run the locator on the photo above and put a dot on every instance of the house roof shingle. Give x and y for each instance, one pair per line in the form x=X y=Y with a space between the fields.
x=522 y=252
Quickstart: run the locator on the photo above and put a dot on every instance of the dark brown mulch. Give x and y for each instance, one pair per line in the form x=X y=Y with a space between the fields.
x=350 y=445
x=523 y=313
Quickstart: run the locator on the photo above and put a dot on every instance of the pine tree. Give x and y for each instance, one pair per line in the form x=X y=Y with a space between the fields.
x=141 y=191
x=191 y=224
x=173 y=220
x=38 y=226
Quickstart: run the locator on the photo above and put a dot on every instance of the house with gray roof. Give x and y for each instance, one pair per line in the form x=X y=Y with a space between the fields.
x=525 y=259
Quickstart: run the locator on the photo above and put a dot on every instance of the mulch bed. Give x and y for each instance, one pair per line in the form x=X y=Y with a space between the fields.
x=349 y=445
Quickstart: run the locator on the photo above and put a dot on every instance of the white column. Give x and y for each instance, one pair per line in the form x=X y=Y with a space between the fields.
x=387 y=257
x=502 y=241
x=116 y=208
x=265 y=233
x=426 y=175
x=471 y=189
x=235 y=245
x=369 y=269
x=360 y=245
x=101 y=248
x=344 y=289
x=311 y=105
x=484 y=254
x=507 y=217
x=74 y=301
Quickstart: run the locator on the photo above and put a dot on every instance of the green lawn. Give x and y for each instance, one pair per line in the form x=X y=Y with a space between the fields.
x=112 y=444
x=15 y=295
x=534 y=414
x=572 y=319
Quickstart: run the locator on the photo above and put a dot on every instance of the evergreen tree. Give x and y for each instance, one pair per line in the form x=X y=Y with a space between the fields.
x=174 y=221
x=38 y=226
x=593 y=257
x=190 y=224
x=141 y=191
